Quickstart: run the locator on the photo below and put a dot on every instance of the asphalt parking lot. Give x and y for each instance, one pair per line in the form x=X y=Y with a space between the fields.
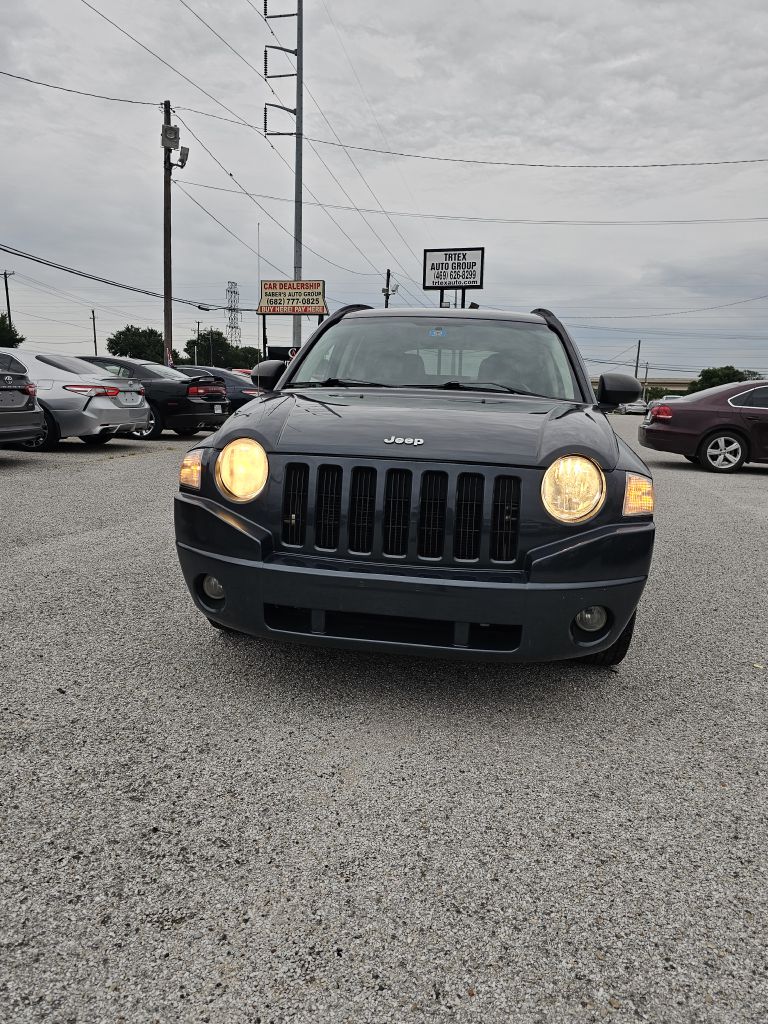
x=205 y=829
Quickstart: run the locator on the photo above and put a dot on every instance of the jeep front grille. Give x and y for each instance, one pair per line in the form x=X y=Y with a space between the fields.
x=414 y=514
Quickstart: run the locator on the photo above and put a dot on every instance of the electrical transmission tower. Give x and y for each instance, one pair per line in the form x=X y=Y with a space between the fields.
x=233 y=313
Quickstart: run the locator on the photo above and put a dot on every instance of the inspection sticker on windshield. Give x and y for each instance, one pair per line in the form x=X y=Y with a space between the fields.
x=437 y=332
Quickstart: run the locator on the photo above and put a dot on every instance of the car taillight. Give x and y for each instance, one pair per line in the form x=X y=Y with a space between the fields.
x=93 y=390
x=206 y=389
x=30 y=389
x=661 y=412
x=247 y=391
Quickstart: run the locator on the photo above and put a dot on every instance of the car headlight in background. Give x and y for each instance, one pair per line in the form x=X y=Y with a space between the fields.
x=638 y=496
x=242 y=469
x=573 y=489
x=192 y=469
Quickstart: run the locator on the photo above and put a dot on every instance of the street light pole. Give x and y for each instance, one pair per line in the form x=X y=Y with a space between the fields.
x=93 y=321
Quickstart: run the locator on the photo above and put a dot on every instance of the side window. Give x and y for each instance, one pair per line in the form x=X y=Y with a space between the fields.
x=760 y=398
x=743 y=399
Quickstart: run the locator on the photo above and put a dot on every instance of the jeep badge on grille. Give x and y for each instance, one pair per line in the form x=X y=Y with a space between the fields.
x=404 y=440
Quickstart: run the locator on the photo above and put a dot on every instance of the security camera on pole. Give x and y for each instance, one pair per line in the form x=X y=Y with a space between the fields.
x=169 y=140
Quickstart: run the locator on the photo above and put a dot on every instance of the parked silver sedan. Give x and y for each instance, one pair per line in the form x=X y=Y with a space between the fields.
x=77 y=401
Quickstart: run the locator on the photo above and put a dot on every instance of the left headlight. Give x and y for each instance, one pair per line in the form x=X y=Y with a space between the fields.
x=573 y=489
x=242 y=469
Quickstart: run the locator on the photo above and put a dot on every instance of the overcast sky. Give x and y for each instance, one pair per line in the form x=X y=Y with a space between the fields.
x=550 y=81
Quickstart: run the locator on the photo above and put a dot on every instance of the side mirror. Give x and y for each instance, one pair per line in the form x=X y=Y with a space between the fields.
x=267 y=373
x=617 y=388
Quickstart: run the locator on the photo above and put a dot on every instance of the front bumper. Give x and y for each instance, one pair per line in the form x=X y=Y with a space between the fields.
x=523 y=614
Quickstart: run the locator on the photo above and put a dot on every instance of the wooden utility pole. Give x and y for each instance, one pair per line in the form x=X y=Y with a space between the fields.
x=167 y=281
x=637 y=360
x=6 y=275
x=93 y=321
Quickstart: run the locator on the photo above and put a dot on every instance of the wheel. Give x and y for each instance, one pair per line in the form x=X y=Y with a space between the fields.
x=186 y=431
x=48 y=440
x=692 y=458
x=154 y=427
x=723 y=452
x=618 y=649
x=96 y=439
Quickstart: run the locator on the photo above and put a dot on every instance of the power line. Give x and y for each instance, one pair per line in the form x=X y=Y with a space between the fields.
x=230 y=231
x=240 y=120
x=264 y=210
x=501 y=220
x=676 y=312
x=228 y=45
x=12 y=251
x=521 y=163
x=325 y=165
x=81 y=92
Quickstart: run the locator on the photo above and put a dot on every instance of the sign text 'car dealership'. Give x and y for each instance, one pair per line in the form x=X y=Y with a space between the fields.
x=453 y=268
x=293 y=297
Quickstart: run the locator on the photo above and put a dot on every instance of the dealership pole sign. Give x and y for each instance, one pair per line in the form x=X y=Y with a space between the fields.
x=293 y=298
x=447 y=269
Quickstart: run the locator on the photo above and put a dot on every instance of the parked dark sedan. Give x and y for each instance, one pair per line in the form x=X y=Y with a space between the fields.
x=240 y=389
x=177 y=402
x=719 y=429
x=424 y=481
x=21 y=418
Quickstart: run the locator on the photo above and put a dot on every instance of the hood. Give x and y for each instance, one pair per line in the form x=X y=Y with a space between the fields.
x=447 y=427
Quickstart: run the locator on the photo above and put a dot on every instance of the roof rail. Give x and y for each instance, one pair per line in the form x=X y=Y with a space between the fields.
x=551 y=320
x=342 y=311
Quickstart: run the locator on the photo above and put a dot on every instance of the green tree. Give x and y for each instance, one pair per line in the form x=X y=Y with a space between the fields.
x=213 y=349
x=138 y=343
x=714 y=375
x=9 y=336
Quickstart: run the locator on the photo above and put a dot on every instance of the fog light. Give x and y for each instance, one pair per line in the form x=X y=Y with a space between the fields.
x=591 y=619
x=212 y=588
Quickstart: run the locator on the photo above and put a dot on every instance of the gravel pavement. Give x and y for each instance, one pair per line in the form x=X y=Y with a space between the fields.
x=197 y=828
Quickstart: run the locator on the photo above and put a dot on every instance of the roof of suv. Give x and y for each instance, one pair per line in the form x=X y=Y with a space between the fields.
x=458 y=314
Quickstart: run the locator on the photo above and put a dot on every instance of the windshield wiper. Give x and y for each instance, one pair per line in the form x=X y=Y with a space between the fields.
x=478 y=385
x=338 y=382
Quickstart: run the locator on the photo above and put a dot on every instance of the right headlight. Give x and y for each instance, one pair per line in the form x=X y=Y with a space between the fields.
x=573 y=489
x=242 y=469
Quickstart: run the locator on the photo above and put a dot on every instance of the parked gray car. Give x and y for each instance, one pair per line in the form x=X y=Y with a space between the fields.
x=76 y=399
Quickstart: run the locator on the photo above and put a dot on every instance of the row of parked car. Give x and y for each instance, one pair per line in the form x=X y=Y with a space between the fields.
x=45 y=397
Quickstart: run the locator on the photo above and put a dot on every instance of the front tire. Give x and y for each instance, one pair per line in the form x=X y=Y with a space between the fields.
x=617 y=651
x=48 y=440
x=154 y=427
x=95 y=439
x=722 y=452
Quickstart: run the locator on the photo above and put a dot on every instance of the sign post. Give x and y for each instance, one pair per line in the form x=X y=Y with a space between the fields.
x=459 y=269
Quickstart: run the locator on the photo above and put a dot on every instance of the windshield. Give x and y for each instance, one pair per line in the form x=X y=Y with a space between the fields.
x=441 y=352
